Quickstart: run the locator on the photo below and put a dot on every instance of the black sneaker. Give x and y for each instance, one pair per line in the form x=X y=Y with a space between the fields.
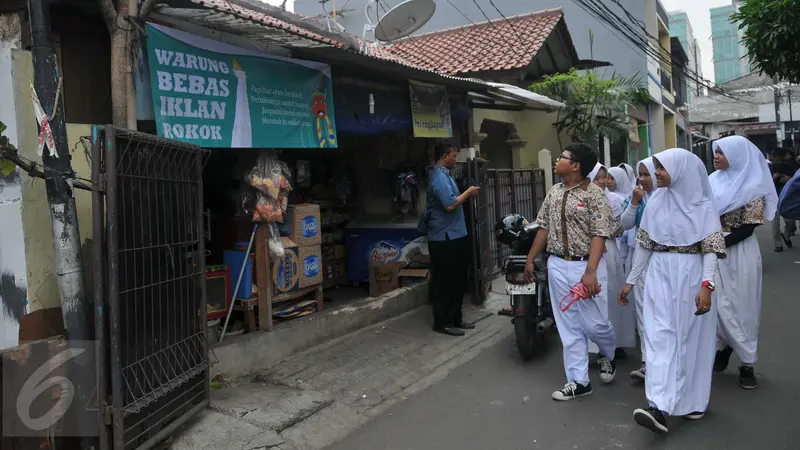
x=747 y=378
x=778 y=249
x=652 y=419
x=787 y=239
x=722 y=359
x=640 y=373
x=697 y=415
x=571 y=391
x=608 y=370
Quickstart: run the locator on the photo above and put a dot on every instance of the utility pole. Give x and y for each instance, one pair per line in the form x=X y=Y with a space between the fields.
x=777 y=98
x=58 y=177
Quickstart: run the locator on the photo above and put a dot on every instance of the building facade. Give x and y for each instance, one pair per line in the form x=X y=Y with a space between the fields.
x=730 y=56
x=606 y=43
x=681 y=28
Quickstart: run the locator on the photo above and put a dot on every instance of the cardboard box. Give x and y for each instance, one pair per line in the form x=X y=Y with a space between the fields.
x=410 y=277
x=421 y=259
x=285 y=272
x=384 y=277
x=310 y=261
x=305 y=223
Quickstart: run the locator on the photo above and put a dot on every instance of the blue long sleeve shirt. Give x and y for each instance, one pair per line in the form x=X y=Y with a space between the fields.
x=789 y=200
x=443 y=192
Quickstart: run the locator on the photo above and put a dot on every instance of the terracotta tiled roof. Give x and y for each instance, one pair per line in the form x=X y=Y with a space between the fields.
x=499 y=44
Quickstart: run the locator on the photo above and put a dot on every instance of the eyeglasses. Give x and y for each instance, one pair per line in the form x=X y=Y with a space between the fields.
x=560 y=157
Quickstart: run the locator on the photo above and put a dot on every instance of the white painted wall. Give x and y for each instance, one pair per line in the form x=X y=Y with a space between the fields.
x=13 y=271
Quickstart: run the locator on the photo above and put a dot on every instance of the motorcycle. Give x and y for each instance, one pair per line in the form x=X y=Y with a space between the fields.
x=531 y=311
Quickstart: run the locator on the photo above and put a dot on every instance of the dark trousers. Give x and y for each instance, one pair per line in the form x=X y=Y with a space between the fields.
x=449 y=261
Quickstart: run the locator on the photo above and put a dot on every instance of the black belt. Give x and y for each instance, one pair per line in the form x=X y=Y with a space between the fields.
x=572 y=258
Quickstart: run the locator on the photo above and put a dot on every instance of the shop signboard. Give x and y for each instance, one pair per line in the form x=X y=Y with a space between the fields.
x=430 y=110
x=213 y=94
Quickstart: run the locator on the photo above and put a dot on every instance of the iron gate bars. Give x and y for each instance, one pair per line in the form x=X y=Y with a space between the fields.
x=154 y=272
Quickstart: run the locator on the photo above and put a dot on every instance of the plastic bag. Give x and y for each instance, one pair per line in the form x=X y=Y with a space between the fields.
x=269 y=175
x=267 y=210
x=275 y=245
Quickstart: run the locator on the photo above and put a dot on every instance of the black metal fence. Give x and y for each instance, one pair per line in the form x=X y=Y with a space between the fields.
x=503 y=191
x=151 y=283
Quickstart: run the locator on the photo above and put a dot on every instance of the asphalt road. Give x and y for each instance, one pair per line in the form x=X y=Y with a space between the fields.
x=498 y=402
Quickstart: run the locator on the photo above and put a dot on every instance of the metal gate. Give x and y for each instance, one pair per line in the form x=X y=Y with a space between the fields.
x=503 y=191
x=150 y=281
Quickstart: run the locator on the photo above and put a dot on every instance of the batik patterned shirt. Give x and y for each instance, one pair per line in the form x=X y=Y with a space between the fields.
x=573 y=216
x=749 y=214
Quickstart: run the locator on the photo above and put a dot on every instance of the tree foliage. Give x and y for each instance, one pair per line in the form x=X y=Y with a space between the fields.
x=594 y=106
x=772 y=36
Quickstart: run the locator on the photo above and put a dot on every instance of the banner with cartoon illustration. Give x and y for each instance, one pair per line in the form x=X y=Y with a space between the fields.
x=214 y=94
x=430 y=110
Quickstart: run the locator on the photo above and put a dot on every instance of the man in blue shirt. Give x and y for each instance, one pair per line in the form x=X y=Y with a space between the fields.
x=447 y=243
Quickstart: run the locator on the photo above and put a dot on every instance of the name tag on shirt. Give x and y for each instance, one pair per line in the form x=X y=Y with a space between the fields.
x=581 y=207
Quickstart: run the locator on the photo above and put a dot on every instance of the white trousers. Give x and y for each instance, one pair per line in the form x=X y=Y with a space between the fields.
x=584 y=320
x=738 y=299
x=622 y=318
x=680 y=345
x=636 y=301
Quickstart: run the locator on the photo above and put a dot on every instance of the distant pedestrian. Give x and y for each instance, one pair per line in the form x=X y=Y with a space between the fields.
x=789 y=205
x=783 y=168
x=744 y=195
x=575 y=219
x=447 y=243
x=681 y=238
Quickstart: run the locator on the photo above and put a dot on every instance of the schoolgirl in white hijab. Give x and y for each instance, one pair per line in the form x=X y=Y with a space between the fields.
x=624 y=326
x=745 y=196
x=630 y=221
x=681 y=238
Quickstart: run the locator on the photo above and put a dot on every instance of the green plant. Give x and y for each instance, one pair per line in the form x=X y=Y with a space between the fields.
x=594 y=106
x=6 y=166
x=772 y=37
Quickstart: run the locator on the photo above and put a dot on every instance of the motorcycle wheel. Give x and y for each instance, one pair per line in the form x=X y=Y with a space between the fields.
x=529 y=341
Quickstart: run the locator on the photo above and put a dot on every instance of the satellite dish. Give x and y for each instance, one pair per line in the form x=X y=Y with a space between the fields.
x=404 y=19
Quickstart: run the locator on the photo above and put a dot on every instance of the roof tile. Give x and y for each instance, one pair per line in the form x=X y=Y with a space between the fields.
x=492 y=45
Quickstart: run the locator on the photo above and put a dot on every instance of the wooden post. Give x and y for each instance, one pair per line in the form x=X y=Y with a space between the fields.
x=263 y=279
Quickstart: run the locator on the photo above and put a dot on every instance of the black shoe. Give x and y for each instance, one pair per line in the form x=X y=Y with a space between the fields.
x=722 y=359
x=571 y=391
x=747 y=378
x=450 y=331
x=652 y=419
x=787 y=239
x=608 y=370
x=778 y=249
x=697 y=415
x=620 y=353
x=465 y=326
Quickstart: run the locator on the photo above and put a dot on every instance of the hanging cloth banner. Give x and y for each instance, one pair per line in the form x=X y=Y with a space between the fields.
x=214 y=94
x=430 y=110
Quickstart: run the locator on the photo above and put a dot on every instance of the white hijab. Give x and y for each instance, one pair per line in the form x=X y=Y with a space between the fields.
x=632 y=175
x=746 y=179
x=624 y=186
x=617 y=201
x=683 y=213
x=650 y=166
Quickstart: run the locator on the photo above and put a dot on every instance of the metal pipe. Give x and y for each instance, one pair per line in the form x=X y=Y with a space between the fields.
x=98 y=226
x=75 y=308
x=130 y=88
x=238 y=282
x=544 y=325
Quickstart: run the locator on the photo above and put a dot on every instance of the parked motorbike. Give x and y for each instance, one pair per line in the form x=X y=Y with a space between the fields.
x=531 y=311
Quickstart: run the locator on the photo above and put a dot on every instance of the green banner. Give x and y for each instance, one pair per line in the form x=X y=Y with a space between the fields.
x=217 y=95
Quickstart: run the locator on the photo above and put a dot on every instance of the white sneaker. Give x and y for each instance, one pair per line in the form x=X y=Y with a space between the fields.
x=608 y=370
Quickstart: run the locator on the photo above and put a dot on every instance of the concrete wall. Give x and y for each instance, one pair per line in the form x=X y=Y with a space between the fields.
x=534 y=127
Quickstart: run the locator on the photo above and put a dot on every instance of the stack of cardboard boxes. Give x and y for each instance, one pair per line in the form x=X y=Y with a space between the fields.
x=301 y=235
x=386 y=277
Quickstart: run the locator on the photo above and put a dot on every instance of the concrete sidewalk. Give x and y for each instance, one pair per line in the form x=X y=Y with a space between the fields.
x=318 y=397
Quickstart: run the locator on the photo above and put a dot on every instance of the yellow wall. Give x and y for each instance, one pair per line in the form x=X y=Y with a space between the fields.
x=670 y=132
x=535 y=127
